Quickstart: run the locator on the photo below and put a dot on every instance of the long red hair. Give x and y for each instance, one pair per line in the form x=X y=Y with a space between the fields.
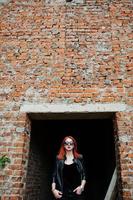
x=62 y=152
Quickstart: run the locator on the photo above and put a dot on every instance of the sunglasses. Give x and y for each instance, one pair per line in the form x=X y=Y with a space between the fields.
x=68 y=143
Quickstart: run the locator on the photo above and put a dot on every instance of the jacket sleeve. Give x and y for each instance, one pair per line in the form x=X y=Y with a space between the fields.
x=83 y=168
x=54 y=175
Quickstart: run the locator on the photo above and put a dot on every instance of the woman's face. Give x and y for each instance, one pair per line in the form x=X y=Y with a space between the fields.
x=68 y=144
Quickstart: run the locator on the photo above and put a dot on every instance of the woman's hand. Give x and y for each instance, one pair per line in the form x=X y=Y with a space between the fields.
x=57 y=194
x=78 y=190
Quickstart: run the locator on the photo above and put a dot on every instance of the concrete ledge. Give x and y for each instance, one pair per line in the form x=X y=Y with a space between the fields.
x=72 y=108
x=63 y=2
x=4 y=1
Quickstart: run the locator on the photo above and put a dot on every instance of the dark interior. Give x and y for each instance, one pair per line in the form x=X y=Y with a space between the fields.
x=95 y=141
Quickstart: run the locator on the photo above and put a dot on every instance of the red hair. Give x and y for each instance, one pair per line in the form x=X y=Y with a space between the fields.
x=62 y=152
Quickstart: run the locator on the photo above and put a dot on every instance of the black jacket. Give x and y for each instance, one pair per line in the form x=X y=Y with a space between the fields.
x=57 y=175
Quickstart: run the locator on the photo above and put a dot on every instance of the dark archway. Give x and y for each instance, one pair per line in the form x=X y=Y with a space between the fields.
x=95 y=141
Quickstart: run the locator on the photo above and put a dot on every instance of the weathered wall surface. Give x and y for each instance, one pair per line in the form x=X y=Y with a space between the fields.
x=63 y=53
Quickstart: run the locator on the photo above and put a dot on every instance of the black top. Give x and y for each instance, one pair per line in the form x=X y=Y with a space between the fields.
x=71 y=177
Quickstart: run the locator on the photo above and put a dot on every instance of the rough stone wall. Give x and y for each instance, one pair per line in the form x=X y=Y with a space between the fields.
x=69 y=53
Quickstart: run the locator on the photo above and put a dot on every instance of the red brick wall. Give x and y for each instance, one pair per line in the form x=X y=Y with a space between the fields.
x=124 y=145
x=64 y=53
x=34 y=174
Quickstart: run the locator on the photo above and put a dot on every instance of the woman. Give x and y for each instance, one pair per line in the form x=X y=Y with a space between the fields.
x=69 y=175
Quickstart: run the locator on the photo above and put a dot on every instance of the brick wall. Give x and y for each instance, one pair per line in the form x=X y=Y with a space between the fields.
x=125 y=153
x=68 y=54
x=34 y=174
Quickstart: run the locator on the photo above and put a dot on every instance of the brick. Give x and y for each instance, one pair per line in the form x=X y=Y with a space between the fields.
x=69 y=54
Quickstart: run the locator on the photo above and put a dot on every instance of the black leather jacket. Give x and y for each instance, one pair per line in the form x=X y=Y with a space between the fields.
x=57 y=175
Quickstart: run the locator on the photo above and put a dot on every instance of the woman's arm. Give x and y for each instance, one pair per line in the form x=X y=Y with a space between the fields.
x=80 y=188
x=83 y=182
x=53 y=187
x=57 y=194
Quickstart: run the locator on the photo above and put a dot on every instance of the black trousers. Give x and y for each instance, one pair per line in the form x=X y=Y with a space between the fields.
x=72 y=196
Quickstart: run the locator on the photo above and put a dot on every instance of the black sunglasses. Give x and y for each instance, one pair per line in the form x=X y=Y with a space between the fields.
x=68 y=143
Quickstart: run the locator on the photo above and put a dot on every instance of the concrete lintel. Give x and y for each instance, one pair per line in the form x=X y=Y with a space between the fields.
x=4 y=1
x=72 y=108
